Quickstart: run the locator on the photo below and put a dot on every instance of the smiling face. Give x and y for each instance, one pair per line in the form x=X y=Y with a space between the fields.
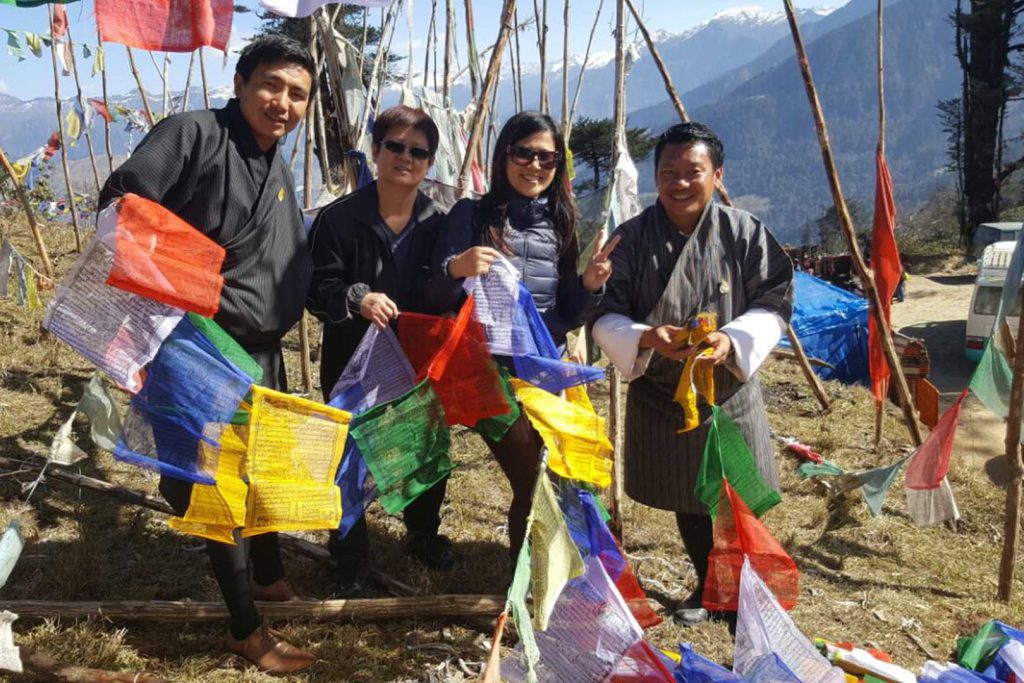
x=686 y=179
x=402 y=168
x=273 y=100
x=532 y=180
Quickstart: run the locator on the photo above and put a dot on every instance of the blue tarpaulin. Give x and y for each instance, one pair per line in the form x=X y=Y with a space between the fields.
x=832 y=325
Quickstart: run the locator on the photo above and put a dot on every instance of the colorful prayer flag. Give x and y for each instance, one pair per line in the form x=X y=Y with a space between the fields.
x=727 y=456
x=58 y=22
x=875 y=484
x=739 y=538
x=930 y=462
x=992 y=378
x=885 y=265
x=555 y=558
x=101 y=109
x=165 y=25
x=159 y=256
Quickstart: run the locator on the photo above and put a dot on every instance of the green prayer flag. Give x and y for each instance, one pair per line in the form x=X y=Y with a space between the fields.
x=13 y=46
x=86 y=52
x=228 y=347
x=556 y=559
x=35 y=43
x=978 y=652
x=876 y=484
x=494 y=428
x=991 y=380
x=825 y=469
x=516 y=602
x=405 y=445
x=726 y=454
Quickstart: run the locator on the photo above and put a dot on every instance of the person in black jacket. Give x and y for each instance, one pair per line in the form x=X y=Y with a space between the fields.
x=529 y=217
x=371 y=252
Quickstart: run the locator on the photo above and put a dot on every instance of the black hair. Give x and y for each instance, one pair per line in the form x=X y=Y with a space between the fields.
x=691 y=133
x=491 y=211
x=271 y=49
x=402 y=116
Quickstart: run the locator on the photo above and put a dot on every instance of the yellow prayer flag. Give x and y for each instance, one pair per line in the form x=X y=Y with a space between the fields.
x=73 y=125
x=32 y=291
x=214 y=512
x=574 y=434
x=97 y=60
x=555 y=560
x=295 y=447
x=697 y=378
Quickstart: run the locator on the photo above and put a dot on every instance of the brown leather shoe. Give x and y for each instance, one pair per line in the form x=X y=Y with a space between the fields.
x=279 y=591
x=270 y=653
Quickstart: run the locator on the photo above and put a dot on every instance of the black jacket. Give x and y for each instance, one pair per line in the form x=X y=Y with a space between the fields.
x=354 y=253
x=534 y=247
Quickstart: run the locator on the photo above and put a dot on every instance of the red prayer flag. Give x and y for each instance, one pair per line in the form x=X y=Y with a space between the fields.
x=159 y=256
x=101 y=109
x=805 y=452
x=930 y=463
x=738 y=533
x=636 y=599
x=885 y=264
x=52 y=146
x=165 y=25
x=59 y=22
x=454 y=355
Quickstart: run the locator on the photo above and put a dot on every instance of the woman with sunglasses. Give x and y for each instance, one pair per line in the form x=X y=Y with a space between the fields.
x=529 y=217
x=371 y=252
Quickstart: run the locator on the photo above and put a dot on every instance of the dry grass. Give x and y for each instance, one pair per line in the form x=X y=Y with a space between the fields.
x=863 y=579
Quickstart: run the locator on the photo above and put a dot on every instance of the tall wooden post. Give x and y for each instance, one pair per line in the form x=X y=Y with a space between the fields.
x=138 y=83
x=846 y=223
x=1011 y=521
x=583 y=71
x=449 y=47
x=202 y=77
x=471 y=57
x=540 y=12
x=106 y=104
x=880 y=403
x=307 y=203
x=37 y=235
x=188 y=80
x=517 y=61
x=63 y=140
x=565 y=69
x=476 y=133
x=81 y=106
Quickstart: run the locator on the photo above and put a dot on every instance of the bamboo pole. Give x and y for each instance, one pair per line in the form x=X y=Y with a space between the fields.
x=846 y=223
x=202 y=76
x=540 y=12
x=174 y=611
x=880 y=403
x=583 y=71
x=474 y=62
x=449 y=37
x=188 y=80
x=476 y=134
x=63 y=139
x=37 y=235
x=106 y=103
x=307 y=203
x=518 y=59
x=41 y=663
x=565 y=68
x=615 y=400
x=138 y=82
x=1011 y=520
x=81 y=106
x=430 y=44
x=366 y=39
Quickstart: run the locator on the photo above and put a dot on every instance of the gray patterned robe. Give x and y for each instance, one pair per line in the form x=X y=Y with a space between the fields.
x=730 y=265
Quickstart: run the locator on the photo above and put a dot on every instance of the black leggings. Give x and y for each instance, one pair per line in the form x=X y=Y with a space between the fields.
x=698 y=539
x=256 y=559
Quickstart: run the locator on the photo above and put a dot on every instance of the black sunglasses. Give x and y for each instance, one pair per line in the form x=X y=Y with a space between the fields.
x=396 y=147
x=524 y=156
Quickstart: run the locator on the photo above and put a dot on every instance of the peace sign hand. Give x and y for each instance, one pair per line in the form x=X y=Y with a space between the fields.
x=599 y=267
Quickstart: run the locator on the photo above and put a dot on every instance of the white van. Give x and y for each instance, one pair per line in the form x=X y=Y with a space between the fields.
x=988 y=289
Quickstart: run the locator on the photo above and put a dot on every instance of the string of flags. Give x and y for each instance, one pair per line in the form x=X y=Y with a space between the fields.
x=14 y=267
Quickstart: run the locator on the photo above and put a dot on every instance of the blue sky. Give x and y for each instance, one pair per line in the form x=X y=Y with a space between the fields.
x=34 y=77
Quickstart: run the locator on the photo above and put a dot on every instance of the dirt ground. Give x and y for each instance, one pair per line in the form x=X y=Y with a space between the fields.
x=881 y=582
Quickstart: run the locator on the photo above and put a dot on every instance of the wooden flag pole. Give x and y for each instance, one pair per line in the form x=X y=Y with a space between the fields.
x=817 y=388
x=471 y=57
x=565 y=68
x=106 y=103
x=138 y=82
x=476 y=133
x=188 y=80
x=307 y=203
x=880 y=404
x=81 y=106
x=202 y=77
x=63 y=139
x=517 y=61
x=430 y=45
x=846 y=223
x=1011 y=520
x=449 y=46
x=26 y=204
x=583 y=71
x=540 y=12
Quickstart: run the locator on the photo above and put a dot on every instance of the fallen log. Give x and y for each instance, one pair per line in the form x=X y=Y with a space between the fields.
x=789 y=355
x=316 y=610
x=43 y=664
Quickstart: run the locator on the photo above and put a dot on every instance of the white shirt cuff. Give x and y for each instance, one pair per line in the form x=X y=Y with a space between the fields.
x=754 y=334
x=619 y=337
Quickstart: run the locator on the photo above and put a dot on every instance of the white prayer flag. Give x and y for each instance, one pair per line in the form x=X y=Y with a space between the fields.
x=303 y=8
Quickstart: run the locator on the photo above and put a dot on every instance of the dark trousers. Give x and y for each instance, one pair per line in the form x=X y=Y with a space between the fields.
x=698 y=540
x=252 y=559
x=422 y=519
x=518 y=455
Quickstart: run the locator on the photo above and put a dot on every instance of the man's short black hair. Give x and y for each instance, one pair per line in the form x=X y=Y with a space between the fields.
x=691 y=133
x=271 y=49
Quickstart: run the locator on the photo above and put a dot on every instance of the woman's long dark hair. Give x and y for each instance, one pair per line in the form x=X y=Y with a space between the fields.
x=492 y=208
